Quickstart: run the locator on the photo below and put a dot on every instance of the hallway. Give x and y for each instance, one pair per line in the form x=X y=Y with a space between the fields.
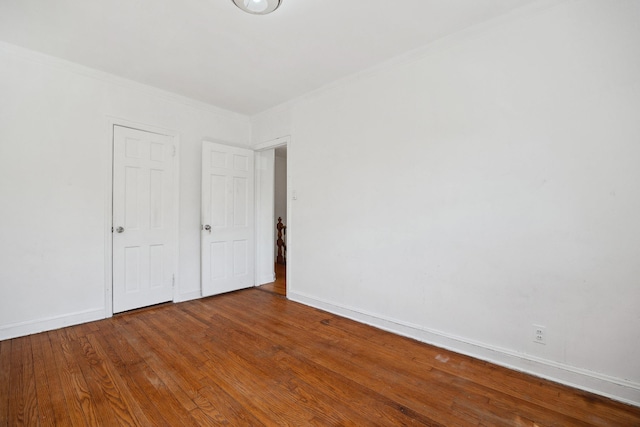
x=280 y=285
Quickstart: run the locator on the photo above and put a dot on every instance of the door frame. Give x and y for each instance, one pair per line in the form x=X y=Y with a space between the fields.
x=268 y=145
x=108 y=203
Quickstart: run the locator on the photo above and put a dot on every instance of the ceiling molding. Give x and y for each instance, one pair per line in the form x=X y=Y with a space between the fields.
x=436 y=47
x=84 y=71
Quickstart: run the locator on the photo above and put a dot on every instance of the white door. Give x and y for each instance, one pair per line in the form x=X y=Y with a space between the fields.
x=144 y=247
x=227 y=218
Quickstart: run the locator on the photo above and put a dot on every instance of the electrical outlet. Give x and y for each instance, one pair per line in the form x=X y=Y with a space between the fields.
x=539 y=334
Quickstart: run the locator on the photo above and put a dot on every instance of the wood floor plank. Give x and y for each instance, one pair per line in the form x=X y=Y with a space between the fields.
x=579 y=417
x=253 y=358
x=31 y=411
x=398 y=352
x=353 y=361
x=460 y=366
x=168 y=353
x=165 y=380
x=16 y=403
x=530 y=389
x=125 y=405
x=51 y=405
x=204 y=418
x=56 y=387
x=23 y=410
x=66 y=392
x=279 y=406
x=370 y=406
x=5 y=378
x=230 y=409
x=143 y=383
x=212 y=400
x=286 y=387
x=99 y=376
x=190 y=356
x=242 y=376
x=81 y=404
x=106 y=400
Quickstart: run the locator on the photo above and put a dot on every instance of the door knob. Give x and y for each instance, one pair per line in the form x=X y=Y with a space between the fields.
x=120 y=230
x=207 y=227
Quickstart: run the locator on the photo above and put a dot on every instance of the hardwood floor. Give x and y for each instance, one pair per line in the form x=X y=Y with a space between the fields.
x=254 y=358
x=280 y=285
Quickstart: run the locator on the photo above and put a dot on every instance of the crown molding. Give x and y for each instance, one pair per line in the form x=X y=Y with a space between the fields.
x=439 y=46
x=92 y=73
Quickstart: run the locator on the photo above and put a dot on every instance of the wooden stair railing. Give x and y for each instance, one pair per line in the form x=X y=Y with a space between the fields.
x=282 y=246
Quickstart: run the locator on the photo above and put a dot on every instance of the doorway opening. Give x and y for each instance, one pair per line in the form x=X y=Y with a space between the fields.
x=280 y=215
x=273 y=215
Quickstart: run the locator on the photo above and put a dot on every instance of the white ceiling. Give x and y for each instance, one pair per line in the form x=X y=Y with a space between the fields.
x=211 y=51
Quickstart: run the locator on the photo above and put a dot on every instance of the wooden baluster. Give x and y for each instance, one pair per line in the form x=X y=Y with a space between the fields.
x=280 y=242
x=284 y=244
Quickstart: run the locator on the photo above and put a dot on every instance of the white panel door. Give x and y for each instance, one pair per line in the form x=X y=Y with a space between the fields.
x=227 y=218
x=144 y=247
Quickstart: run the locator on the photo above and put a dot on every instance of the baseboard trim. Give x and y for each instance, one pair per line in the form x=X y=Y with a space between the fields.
x=14 y=330
x=614 y=388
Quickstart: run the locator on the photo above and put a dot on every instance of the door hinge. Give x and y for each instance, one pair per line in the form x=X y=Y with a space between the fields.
x=173 y=280
x=174 y=151
x=112 y=229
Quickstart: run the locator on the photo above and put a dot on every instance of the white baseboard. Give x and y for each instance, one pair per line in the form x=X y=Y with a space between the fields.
x=14 y=330
x=614 y=388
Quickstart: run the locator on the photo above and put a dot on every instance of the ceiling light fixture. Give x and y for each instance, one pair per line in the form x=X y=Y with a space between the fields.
x=258 y=7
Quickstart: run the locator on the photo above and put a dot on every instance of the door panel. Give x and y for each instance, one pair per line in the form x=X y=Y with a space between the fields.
x=143 y=237
x=227 y=218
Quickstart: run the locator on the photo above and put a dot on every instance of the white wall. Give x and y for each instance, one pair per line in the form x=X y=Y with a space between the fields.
x=54 y=163
x=271 y=124
x=487 y=184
